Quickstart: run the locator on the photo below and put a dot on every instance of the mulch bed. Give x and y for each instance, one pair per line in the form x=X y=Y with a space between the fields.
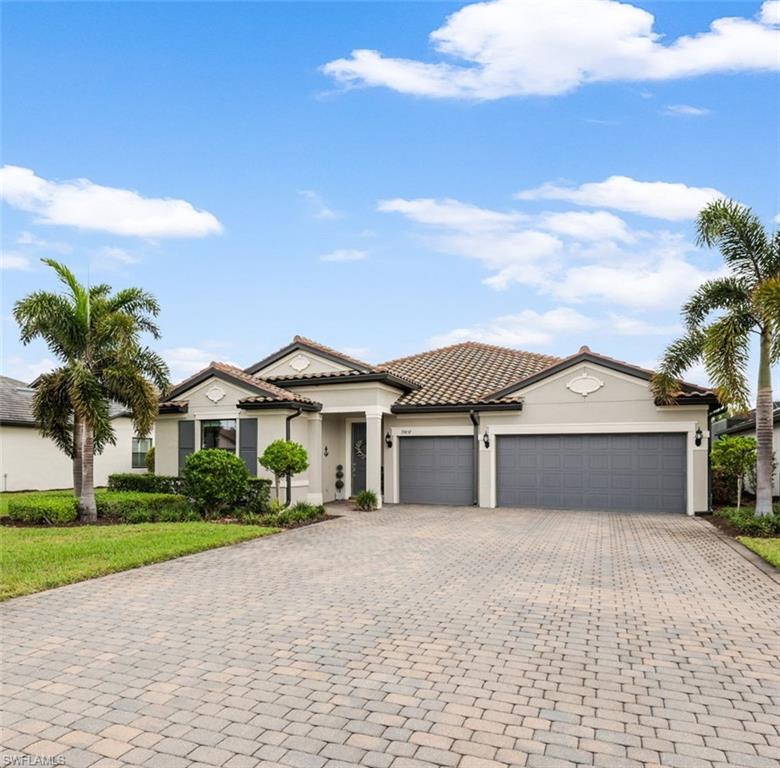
x=722 y=524
x=102 y=521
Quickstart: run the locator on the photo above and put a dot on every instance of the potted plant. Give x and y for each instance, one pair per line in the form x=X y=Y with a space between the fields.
x=339 y=480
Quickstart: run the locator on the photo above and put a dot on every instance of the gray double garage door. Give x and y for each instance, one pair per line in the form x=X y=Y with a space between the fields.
x=626 y=472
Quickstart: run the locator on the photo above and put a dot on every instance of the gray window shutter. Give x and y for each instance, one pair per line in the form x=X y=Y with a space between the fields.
x=247 y=444
x=186 y=441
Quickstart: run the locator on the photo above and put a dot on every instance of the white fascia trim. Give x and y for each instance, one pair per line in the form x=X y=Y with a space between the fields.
x=368 y=410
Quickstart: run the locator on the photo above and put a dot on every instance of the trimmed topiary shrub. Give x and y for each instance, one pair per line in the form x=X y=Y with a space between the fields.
x=366 y=500
x=142 y=507
x=145 y=483
x=284 y=458
x=215 y=481
x=43 y=509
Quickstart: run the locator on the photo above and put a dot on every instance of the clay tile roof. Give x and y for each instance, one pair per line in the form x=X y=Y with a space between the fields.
x=270 y=392
x=465 y=373
x=334 y=352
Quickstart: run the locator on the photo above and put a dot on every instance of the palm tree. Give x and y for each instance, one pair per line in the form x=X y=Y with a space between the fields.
x=96 y=337
x=722 y=318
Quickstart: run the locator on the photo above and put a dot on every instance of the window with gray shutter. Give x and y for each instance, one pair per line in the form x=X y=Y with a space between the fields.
x=186 y=441
x=247 y=444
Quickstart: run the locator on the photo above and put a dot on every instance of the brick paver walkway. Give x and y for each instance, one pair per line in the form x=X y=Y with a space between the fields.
x=410 y=638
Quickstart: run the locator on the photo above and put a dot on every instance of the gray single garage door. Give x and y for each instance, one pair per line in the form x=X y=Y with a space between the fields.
x=436 y=470
x=632 y=472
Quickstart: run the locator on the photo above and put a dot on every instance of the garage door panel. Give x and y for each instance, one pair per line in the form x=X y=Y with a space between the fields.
x=643 y=472
x=438 y=470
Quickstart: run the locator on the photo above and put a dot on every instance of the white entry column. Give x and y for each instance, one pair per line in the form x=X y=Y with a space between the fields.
x=374 y=453
x=314 y=496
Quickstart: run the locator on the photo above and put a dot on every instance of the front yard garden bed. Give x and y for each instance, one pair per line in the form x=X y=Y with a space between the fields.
x=34 y=559
x=759 y=534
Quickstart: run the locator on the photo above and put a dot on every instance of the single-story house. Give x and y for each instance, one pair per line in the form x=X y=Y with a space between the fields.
x=29 y=461
x=745 y=425
x=467 y=424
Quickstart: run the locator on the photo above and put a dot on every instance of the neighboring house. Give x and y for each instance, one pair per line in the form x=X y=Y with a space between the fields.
x=29 y=461
x=746 y=426
x=467 y=424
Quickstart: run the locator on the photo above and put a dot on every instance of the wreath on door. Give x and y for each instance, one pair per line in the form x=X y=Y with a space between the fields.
x=360 y=449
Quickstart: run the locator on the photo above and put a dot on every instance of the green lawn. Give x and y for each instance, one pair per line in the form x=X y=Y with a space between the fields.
x=34 y=559
x=769 y=549
x=5 y=496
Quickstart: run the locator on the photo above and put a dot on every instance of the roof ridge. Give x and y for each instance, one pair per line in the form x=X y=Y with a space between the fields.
x=468 y=343
x=298 y=339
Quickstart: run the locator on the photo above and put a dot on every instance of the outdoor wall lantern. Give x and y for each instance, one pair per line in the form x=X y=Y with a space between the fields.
x=389 y=440
x=698 y=436
x=325 y=451
x=486 y=439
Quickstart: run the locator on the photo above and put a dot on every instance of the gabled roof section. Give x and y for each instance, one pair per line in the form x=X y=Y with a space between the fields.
x=302 y=344
x=463 y=374
x=585 y=355
x=230 y=373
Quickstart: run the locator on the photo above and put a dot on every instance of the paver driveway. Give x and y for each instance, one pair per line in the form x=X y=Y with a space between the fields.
x=409 y=638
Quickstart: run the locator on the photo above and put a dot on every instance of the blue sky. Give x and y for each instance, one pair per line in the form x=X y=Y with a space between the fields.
x=498 y=181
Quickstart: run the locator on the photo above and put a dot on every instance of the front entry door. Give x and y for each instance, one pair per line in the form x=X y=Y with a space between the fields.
x=358 y=457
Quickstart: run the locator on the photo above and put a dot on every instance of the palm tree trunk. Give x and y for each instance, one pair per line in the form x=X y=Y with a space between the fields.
x=764 y=430
x=77 y=429
x=87 y=506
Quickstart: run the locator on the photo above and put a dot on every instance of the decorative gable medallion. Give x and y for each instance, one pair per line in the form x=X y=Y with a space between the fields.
x=300 y=363
x=215 y=394
x=584 y=384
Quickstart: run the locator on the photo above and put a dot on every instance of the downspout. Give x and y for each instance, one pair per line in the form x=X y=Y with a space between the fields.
x=474 y=416
x=288 y=492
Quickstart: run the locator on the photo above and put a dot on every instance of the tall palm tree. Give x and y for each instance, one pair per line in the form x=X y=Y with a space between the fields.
x=96 y=337
x=722 y=318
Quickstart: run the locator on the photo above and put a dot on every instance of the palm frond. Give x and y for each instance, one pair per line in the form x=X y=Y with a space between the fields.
x=725 y=293
x=52 y=410
x=726 y=354
x=739 y=235
x=679 y=356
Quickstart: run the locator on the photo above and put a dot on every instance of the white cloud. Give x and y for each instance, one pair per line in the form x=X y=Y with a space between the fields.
x=110 y=257
x=586 y=225
x=318 y=206
x=658 y=199
x=634 y=326
x=770 y=12
x=14 y=260
x=686 y=110
x=527 y=328
x=450 y=213
x=777 y=216
x=184 y=361
x=27 y=370
x=550 y=47
x=345 y=254
x=360 y=353
x=28 y=238
x=85 y=205
x=659 y=280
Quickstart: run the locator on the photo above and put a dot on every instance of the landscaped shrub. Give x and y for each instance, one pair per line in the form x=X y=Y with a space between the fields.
x=142 y=507
x=745 y=521
x=300 y=514
x=149 y=460
x=366 y=500
x=284 y=458
x=145 y=483
x=257 y=498
x=43 y=509
x=215 y=480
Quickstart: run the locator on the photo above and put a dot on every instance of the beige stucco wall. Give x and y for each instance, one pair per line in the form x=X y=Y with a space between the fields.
x=623 y=403
x=29 y=461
